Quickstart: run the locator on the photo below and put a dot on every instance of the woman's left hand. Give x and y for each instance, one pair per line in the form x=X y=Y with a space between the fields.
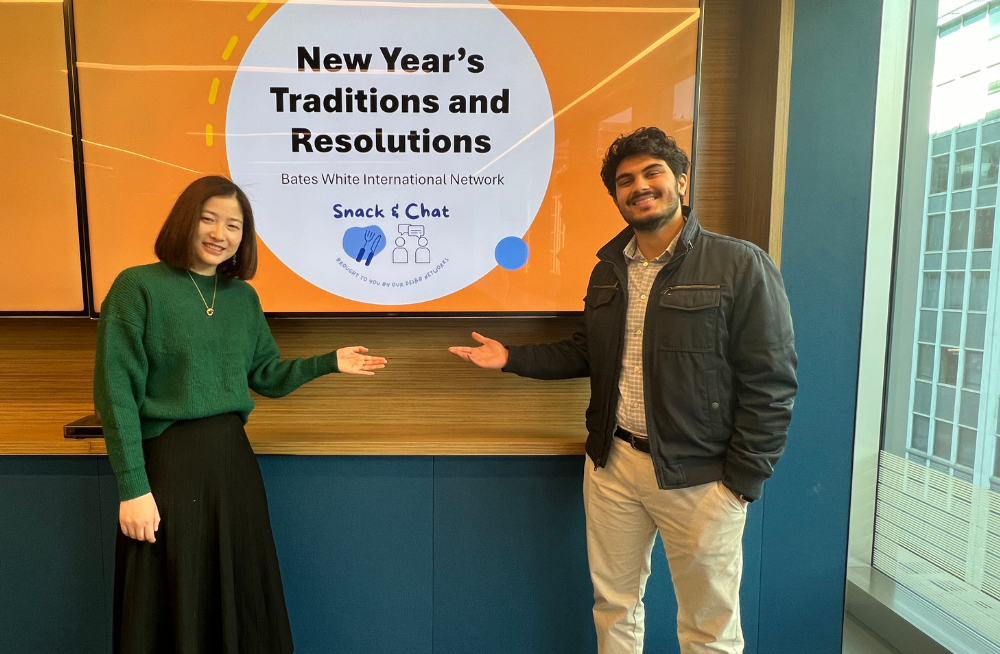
x=354 y=361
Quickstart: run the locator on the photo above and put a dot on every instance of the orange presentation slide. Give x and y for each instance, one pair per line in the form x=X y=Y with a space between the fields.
x=400 y=156
x=39 y=234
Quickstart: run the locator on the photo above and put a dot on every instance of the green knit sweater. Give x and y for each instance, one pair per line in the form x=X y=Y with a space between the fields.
x=161 y=358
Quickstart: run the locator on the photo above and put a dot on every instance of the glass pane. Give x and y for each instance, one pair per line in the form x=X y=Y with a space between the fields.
x=972 y=379
x=925 y=362
x=966 y=454
x=965 y=139
x=922 y=397
x=948 y=372
x=939 y=174
x=954 y=290
x=968 y=415
x=961 y=200
x=935 y=233
x=979 y=291
x=989 y=162
x=942 y=439
x=983 y=239
x=945 y=406
x=932 y=261
x=928 y=326
x=932 y=289
x=986 y=197
x=981 y=260
x=951 y=328
x=958 y=235
x=990 y=133
x=941 y=144
x=963 y=168
x=921 y=427
x=975 y=330
x=956 y=260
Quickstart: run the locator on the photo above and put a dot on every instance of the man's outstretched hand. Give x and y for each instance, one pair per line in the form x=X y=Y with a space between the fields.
x=491 y=354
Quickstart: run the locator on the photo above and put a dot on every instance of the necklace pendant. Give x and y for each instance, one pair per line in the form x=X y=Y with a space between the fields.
x=209 y=310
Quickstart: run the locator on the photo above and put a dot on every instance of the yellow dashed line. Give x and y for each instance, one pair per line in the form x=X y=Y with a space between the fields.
x=229 y=48
x=256 y=10
x=213 y=93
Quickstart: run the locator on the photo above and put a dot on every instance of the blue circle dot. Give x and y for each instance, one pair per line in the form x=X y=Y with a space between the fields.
x=512 y=253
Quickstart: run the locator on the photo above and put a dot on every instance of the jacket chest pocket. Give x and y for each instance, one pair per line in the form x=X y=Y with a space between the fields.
x=689 y=317
x=599 y=296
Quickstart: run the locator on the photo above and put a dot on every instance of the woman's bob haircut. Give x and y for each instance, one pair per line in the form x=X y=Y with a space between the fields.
x=174 y=245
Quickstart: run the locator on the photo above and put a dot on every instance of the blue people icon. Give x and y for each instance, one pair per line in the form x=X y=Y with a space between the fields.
x=363 y=243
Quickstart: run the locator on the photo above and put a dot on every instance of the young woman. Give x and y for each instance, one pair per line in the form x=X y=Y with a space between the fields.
x=180 y=343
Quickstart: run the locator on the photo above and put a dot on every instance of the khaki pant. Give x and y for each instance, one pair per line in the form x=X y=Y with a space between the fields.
x=702 y=531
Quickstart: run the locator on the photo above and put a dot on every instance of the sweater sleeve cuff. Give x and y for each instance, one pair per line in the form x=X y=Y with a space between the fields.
x=133 y=484
x=743 y=481
x=515 y=361
x=328 y=363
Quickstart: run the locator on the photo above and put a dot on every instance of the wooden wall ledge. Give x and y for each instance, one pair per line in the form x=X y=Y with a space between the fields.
x=426 y=402
x=359 y=440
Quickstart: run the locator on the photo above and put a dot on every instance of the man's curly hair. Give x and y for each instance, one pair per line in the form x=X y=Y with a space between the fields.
x=645 y=140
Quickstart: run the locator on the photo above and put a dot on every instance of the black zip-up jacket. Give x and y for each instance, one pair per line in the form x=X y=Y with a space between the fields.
x=718 y=357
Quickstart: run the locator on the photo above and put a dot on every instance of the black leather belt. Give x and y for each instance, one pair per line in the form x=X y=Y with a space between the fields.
x=637 y=442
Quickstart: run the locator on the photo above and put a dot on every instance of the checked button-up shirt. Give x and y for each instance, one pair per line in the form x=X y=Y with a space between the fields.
x=631 y=414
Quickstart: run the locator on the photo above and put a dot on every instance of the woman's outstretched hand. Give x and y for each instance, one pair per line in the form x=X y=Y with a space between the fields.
x=491 y=354
x=139 y=518
x=354 y=361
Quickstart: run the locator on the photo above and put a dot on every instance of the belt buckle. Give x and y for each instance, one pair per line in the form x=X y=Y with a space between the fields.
x=632 y=438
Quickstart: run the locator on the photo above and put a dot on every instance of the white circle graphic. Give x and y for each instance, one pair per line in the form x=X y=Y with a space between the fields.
x=423 y=140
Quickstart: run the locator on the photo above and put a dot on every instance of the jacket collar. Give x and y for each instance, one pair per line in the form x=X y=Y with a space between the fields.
x=613 y=250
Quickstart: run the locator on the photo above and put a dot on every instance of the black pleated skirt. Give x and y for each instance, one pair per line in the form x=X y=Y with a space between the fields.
x=210 y=583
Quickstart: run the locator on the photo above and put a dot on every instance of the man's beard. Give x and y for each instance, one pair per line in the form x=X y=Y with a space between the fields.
x=656 y=221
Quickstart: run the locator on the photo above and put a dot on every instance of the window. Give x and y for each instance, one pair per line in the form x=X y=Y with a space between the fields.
x=958 y=237
x=939 y=174
x=935 y=232
x=984 y=229
x=948 y=373
x=937 y=527
x=989 y=161
x=963 y=168
x=950 y=27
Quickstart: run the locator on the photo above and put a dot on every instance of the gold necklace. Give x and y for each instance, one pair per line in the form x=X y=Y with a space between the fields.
x=208 y=309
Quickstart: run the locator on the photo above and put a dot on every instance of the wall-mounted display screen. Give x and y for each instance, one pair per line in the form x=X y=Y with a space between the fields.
x=401 y=156
x=39 y=233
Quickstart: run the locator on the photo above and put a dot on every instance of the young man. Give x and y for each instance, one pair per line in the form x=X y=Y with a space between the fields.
x=687 y=340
